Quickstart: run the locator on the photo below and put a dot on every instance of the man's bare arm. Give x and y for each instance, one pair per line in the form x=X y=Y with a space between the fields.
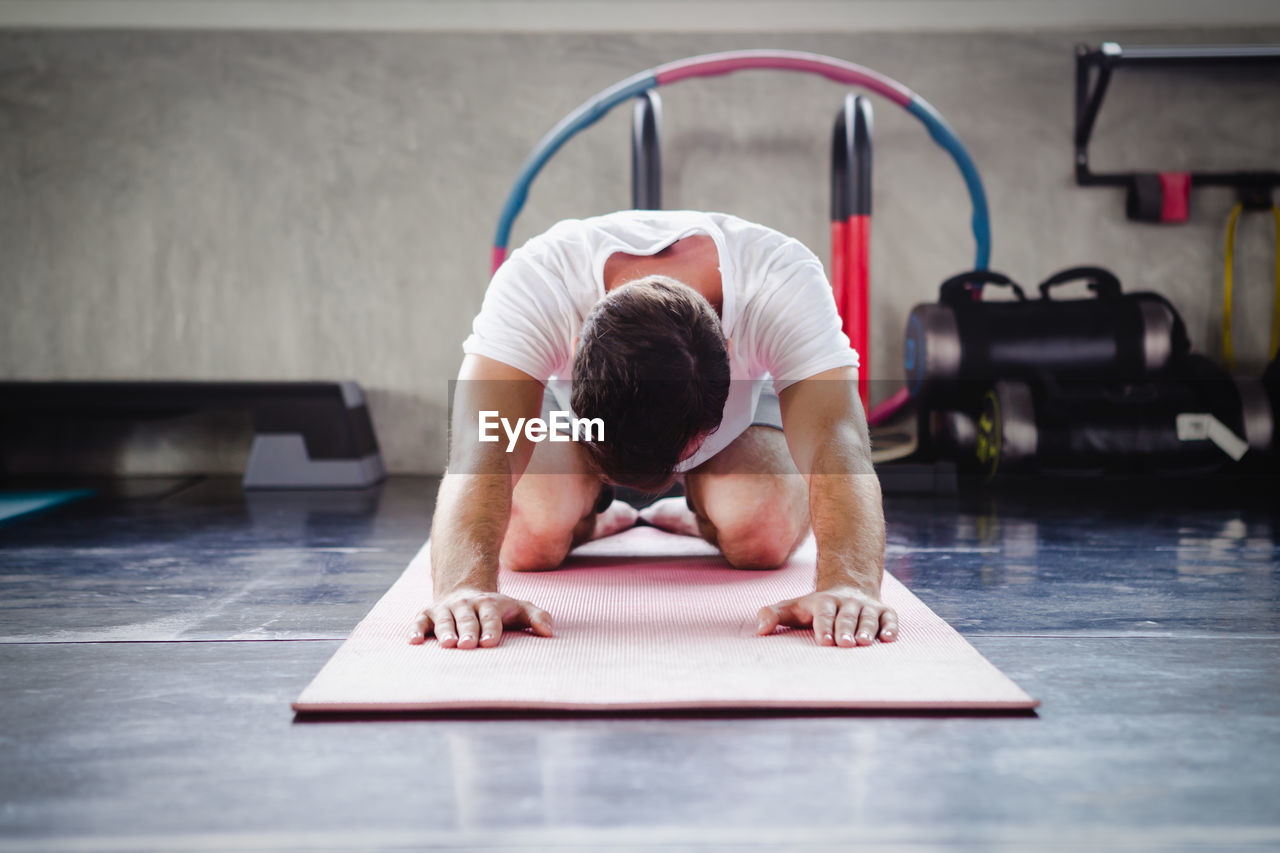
x=827 y=434
x=473 y=509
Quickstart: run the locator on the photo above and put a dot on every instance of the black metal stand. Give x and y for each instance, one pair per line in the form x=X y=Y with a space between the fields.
x=646 y=153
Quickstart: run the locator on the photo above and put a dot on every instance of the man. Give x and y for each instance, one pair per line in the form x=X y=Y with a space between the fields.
x=669 y=325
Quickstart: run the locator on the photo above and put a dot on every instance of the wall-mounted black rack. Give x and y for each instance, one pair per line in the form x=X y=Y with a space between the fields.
x=1155 y=196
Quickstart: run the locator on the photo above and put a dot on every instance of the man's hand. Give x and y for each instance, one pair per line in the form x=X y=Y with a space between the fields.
x=840 y=616
x=468 y=618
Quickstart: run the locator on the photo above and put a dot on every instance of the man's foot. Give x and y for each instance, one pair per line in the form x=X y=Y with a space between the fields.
x=618 y=517
x=672 y=515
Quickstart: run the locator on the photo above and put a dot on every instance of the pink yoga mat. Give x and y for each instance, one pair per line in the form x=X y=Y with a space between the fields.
x=651 y=620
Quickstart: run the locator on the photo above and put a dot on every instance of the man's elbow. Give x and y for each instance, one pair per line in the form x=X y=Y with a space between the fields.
x=472 y=457
x=845 y=450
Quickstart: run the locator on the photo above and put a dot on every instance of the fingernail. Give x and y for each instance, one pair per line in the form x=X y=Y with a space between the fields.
x=826 y=637
x=486 y=636
x=760 y=625
x=864 y=636
x=848 y=638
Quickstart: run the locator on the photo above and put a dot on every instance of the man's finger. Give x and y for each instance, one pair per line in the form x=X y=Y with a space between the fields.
x=422 y=627
x=824 y=617
x=490 y=623
x=847 y=624
x=888 y=626
x=777 y=615
x=868 y=626
x=792 y=613
x=538 y=619
x=464 y=617
x=446 y=634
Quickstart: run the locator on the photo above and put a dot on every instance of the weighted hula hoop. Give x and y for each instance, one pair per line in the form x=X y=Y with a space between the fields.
x=715 y=64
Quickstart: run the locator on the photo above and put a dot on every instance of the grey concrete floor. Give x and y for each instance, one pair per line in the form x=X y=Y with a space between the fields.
x=150 y=646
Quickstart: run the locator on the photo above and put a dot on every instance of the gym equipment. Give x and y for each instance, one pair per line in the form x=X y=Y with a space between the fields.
x=955 y=348
x=610 y=654
x=1200 y=422
x=646 y=189
x=306 y=434
x=1253 y=202
x=1151 y=196
x=851 y=229
x=646 y=152
x=850 y=208
x=715 y=64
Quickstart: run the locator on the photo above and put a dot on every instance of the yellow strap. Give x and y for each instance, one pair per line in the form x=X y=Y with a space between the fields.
x=1228 y=263
x=1275 y=299
x=1228 y=273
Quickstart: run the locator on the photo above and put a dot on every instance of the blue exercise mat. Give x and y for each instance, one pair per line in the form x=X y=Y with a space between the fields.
x=17 y=504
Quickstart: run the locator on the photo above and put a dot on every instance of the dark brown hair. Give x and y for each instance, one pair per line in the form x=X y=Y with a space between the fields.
x=653 y=365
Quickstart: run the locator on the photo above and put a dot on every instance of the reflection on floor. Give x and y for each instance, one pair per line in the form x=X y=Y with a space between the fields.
x=149 y=648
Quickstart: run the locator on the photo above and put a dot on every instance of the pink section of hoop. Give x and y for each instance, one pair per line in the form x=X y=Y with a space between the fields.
x=812 y=63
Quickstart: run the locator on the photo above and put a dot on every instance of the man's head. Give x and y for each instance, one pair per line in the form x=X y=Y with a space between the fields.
x=652 y=362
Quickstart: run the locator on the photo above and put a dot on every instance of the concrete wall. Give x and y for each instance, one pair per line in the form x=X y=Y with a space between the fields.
x=273 y=205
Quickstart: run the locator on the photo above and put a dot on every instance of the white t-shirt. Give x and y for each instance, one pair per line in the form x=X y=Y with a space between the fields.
x=778 y=309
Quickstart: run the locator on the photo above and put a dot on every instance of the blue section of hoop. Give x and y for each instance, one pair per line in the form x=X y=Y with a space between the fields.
x=596 y=107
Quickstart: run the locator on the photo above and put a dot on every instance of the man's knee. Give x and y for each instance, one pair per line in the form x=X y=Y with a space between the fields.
x=536 y=541
x=759 y=526
x=527 y=550
x=547 y=512
x=755 y=552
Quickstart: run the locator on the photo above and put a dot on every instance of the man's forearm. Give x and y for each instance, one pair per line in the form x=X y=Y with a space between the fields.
x=848 y=517
x=472 y=511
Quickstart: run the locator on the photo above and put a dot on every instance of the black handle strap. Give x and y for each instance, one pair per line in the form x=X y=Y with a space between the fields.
x=1101 y=281
x=966 y=286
